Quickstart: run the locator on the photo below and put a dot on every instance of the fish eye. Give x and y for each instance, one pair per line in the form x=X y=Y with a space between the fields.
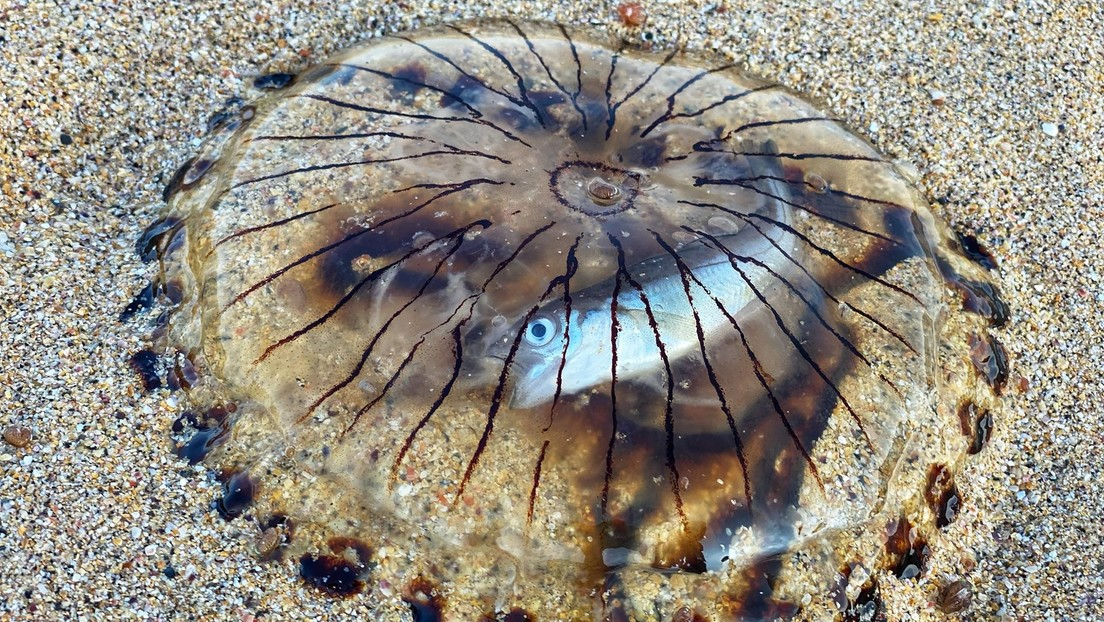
x=540 y=331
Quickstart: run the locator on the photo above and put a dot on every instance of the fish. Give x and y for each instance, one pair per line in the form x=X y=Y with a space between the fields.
x=567 y=349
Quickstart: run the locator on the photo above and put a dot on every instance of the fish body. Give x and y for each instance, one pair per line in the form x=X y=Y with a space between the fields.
x=730 y=271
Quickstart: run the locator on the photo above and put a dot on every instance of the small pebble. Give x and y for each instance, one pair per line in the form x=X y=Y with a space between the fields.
x=1050 y=129
x=955 y=597
x=632 y=13
x=18 y=435
x=268 y=541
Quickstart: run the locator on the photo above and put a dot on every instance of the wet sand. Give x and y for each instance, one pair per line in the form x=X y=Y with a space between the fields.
x=997 y=109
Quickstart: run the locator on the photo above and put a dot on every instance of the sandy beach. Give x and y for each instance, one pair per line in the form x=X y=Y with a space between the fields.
x=996 y=105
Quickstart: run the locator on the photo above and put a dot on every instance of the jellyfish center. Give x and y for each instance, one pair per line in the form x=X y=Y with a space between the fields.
x=594 y=188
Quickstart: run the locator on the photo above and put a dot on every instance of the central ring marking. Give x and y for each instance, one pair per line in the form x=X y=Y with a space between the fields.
x=594 y=188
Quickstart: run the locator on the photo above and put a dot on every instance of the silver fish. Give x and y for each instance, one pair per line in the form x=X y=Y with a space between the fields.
x=757 y=256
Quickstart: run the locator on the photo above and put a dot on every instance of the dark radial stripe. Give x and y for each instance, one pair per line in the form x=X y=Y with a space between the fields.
x=819 y=249
x=761 y=378
x=283 y=221
x=842 y=157
x=272 y=225
x=727 y=99
x=336 y=137
x=513 y=99
x=810 y=210
x=456 y=236
x=609 y=93
x=574 y=97
x=518 y=79
x=674 y=94
x=442 y=395
x=572 y=265
x=775 y=123
x=611 y=120
x=828 y=293
x=686 y=274
x=295 y=137
x=414 y=115
x=844 y=341
x=578 y=73
x=741 y=181
x=668 y=413
x=452 y=151
x=476 y=113
x=500 y=389
x=615 y=330
x=734 y=260
x=451 y=189
x=457 y=350
x=536 y=484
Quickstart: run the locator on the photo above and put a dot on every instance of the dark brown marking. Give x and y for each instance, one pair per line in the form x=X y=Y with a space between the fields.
x=808 y=242
x=238 y=492
x=451 y=189
x=273 y=81
x=828 y=294
x=955 y=597
x=975 y=252
x=569 y=271
x=141 y=302
x=841 y=157
x=152 y=240
x=844 y=341
x=476 y=120
x=762 y=377
x=210 y=432
x=500 y=388
x=774 y=123
x=536 y=484
x=337 y=165
x=990 y=360
x=574 y=97
x=147 y=364
x=341 y=574
x=524 y=101
x=625 y=203
x=424 y=599
x=515 y=100
x=907 y=552
x=615 y=329
x=183 y=374
x=942 y=495
x=807 y=208
x=983 y=430
x=455 y=236
x=981 y=298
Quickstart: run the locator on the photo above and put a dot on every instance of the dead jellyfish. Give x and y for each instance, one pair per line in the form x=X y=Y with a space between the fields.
x=524 y=320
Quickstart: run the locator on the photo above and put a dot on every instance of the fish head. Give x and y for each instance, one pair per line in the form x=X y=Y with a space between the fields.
x=552 y=351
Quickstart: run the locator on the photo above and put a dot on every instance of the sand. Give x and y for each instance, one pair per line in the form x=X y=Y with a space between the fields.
x=997 y=107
